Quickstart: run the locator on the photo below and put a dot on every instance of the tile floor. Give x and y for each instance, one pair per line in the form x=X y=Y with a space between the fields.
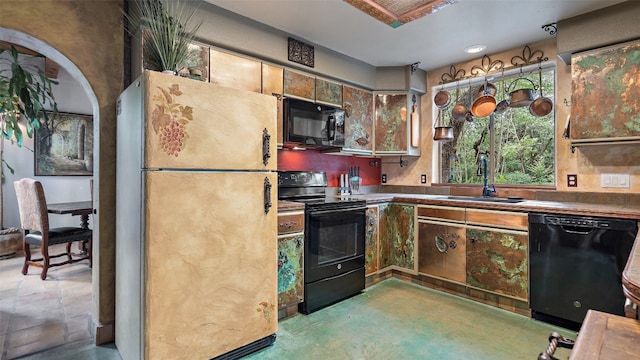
x=38 y=317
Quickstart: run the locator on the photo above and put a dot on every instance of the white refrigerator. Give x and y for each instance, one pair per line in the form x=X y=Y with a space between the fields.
x=196 y=249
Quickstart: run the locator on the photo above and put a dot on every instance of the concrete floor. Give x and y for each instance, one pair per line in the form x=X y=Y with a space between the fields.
x=397 y=320
x=391 y=320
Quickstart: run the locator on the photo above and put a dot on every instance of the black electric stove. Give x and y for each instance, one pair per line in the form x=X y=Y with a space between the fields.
x=334 y=242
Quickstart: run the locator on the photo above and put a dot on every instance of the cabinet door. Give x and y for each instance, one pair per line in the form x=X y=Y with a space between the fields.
x=272 y=84
x=328 y=92
x=235 y=71
x=299 y=85
x=442 y=250
x=290 y=270
x=391 y=129
x=371 y=238
x=497 y=260
x=604 y=100
x=358 y=122
x=397 y=236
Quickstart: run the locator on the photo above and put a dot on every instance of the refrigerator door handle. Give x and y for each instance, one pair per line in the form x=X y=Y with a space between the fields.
x=266 y=150
x=267 y=195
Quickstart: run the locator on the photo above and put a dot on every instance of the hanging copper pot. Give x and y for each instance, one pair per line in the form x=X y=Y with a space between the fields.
x=442 y=133
x=521 y=97
x=541 y=106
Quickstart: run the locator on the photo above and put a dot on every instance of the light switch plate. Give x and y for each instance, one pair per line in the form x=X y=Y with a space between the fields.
x=615 y=181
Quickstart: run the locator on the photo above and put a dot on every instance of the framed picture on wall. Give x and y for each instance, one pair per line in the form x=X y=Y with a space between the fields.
x=64 y=146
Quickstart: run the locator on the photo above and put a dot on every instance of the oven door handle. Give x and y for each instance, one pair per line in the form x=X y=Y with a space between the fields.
x=334 y=211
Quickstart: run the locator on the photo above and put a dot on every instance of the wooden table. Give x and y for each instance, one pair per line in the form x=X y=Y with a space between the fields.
x=605 y=336
x=78 y=208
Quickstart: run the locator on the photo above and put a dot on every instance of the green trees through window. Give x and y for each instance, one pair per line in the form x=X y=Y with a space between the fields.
x=523 y=143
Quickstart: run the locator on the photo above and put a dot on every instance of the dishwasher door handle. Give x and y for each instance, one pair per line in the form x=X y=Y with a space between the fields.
x=577 y=230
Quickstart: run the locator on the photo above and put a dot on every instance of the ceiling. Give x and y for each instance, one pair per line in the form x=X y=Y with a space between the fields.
x=434 y=40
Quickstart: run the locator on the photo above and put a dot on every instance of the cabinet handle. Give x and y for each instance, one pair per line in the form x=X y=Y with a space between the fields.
x=288 y=224
x=453 y=244
x=266 y=150
x=267 y=195
x=441 y=245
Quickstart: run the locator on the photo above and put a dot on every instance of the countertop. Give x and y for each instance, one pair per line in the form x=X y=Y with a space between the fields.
x=568 y=208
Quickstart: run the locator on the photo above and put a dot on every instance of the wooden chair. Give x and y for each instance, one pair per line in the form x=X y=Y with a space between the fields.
x=35 y=225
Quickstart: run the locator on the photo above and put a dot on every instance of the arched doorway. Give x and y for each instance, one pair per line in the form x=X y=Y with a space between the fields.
x=43 y=48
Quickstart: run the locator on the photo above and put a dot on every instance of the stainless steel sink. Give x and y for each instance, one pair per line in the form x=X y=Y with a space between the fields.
x=510 y=200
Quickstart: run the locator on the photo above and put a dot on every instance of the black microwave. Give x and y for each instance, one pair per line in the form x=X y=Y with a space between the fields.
x=311 y=125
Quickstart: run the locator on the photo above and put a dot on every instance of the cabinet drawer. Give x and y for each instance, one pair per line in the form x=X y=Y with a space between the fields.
x=290 y=223
x=504 y=219
x=442 y=212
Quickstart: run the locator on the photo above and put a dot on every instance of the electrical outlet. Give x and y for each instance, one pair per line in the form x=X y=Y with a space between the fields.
x=384 y=178
x=423 y=178
x=572 y=180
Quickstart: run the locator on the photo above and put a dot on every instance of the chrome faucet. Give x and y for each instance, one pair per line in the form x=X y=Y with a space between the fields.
x=482 y=171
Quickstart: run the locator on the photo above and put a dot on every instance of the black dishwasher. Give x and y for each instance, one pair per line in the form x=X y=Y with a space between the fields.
x=576 y=264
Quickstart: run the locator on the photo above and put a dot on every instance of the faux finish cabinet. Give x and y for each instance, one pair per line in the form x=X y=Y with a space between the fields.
x=497 y=248
x=290 y=258
x=371 y=240
x=397 y=236
x=328 y=92
x=272 y=85
x=442 y=250
x=392 y=114
x=299 y=85
x=497 y=260
x=235 y=71
x=358 y=120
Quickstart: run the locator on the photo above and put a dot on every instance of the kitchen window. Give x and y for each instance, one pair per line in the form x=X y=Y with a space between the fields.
x=523 y=145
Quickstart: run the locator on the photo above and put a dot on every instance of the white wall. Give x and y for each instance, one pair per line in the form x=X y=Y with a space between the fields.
x=71 y=98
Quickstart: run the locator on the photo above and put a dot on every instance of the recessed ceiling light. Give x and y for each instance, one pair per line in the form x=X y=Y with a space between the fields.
x=474 y=49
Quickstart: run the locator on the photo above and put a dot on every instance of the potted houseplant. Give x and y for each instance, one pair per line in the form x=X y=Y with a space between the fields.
x=24 y=93
x=167 y=30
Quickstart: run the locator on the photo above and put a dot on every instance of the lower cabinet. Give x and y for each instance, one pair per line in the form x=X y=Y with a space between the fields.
x=497 y=260
x=371 y=241
x=483 y=249
x=442 y=250
x=290 y=258
x=397 y=236
x=290 y=270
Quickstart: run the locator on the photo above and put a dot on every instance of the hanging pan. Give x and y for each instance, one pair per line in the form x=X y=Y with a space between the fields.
x=459 y=111
x=442 y=99
x=503 y=105
x=485 y=104
x=541 y=106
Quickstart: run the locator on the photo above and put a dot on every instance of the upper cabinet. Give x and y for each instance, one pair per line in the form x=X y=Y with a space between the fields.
x=328 y=92
x=605 y=96
x=299 y=85
x=272 y=85
x=358 y=121
x=392 y=130
x=235 y=71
